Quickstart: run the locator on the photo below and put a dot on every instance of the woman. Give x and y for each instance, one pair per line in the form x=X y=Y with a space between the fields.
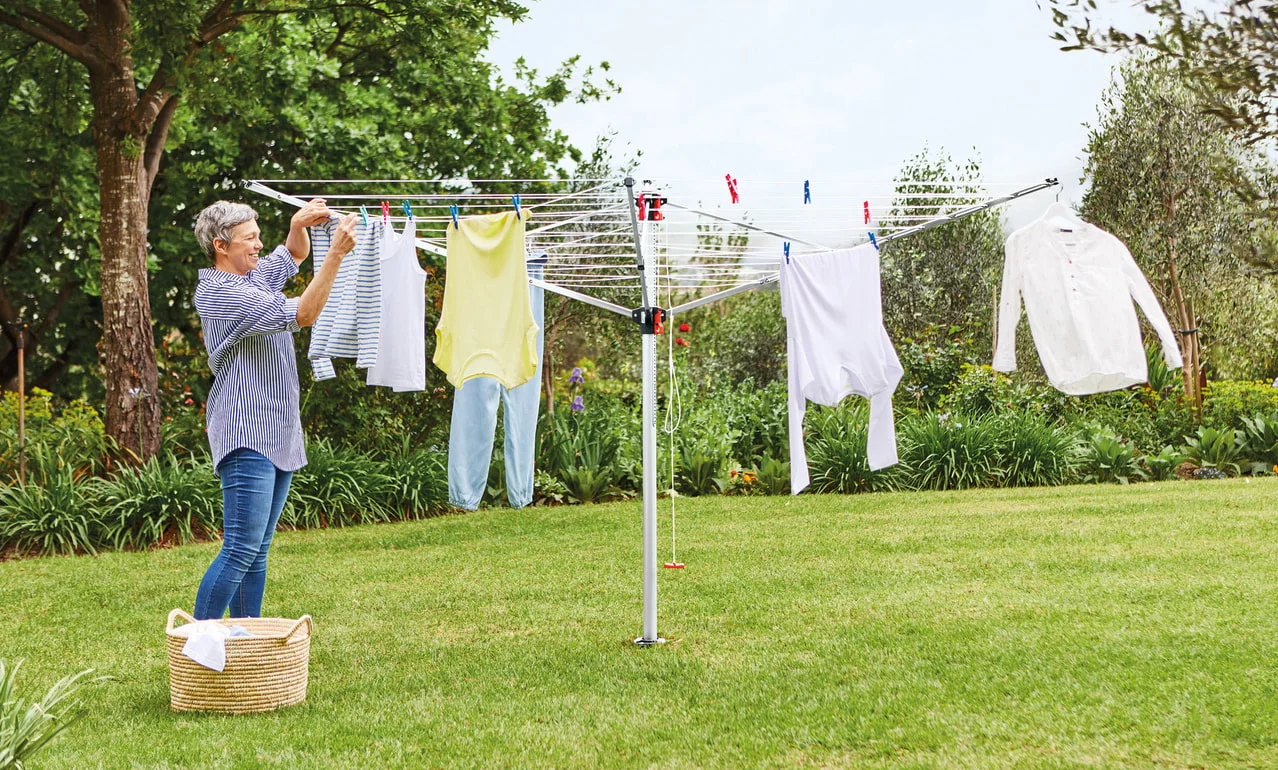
x=254 y=424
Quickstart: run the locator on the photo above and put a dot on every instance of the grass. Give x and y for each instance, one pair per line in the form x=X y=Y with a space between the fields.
x=1092 y=626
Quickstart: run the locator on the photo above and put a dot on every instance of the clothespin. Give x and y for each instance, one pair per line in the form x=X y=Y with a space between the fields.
x=807 y=192
x=515 y=199
x=408 y=209
x=453 y=210
x=867 y=212
x=363 y=212
x=385 y=212
x=874 y=241
x=642 y=206
x=786 y=248
x=732 y=188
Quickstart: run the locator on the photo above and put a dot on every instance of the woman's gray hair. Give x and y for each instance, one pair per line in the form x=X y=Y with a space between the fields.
x=217 y=221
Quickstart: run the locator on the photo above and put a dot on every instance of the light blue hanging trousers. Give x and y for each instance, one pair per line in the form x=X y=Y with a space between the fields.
x=474 y=424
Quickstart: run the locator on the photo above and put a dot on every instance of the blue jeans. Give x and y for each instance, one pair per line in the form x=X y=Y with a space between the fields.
x=253 y=494
x=474 y=423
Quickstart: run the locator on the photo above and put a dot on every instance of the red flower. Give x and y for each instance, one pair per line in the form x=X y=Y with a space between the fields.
x=188 y=402
x=681 y=341
x=685 y=327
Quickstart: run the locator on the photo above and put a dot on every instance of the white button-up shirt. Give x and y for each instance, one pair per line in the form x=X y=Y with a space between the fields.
x=1078 y=286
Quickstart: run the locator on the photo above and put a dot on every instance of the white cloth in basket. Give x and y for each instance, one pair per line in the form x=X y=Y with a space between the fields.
x=207 y=643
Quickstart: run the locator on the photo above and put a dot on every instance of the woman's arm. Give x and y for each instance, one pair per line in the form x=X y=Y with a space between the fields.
x=316 y=294
x=298 y=242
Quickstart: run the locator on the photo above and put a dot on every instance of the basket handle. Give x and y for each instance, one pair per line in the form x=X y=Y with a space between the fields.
x=174 y=615
x=304 y=619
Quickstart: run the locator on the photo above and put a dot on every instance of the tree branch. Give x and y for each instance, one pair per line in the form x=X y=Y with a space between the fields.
x=49 y=30
x=156 y=139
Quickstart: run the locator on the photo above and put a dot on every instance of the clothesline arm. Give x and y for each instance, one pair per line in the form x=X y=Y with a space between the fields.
x=589 y=300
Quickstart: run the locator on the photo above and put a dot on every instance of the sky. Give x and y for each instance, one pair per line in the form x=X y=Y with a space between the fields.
x=828 y=91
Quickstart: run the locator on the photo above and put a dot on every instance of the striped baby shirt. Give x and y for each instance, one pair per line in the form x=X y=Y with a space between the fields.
x=349 y=324
x=248 y=331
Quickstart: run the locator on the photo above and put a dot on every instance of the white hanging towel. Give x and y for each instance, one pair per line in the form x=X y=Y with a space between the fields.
x=401 y=346
x=836 y=347
x=1078 y=282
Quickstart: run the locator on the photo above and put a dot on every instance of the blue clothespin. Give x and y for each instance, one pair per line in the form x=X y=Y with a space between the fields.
x=515 y=200
x=408 y=209
x=786 y=248
x=875 y=241
x=363 y=212
x=453 y=210
x=807 y=192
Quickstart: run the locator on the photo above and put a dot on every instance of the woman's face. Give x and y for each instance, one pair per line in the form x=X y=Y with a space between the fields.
x=240 y=255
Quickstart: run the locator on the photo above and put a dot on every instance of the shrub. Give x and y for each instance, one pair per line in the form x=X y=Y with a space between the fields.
x=1106 y=458
x=27 y=728
x=165 y=500
x=1226 y=402
x=339 y=487
x=70 y=436
x=1032 y=452
x=582 y=449
x=1261 y=436
x=836 y=448
x=703 y=445
x=758 y=418
x=1219 y=449
x=949 y=451
x=1162 y=466
x=932 y=362
x=418 y=480
x=774 y=476
x=1137 y=415
x=52 y=517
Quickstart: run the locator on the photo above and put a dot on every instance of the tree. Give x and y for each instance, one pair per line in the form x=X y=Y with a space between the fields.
x=348 y=90
x=1227 y=54
x=943 y=277
x=1163 y=179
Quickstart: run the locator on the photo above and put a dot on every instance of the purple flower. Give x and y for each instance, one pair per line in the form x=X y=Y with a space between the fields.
x=576 y=378
x=577 y=404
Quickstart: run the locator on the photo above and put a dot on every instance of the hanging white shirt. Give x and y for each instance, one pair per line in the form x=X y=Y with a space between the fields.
x=1078 y=283
x=836 y=346
x=347 y=327
x=401 y=347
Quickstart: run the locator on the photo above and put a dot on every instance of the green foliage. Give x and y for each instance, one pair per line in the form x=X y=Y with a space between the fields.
x=345 y=411
x=758 y=418
x=950 y=451
x=739 y=340
x=68 y=435
x=703 y=445
x=1161 y=377
x=1261 y=436
x=25 y=728
x=932 y=360
x=773 y=476
x=1219 y=449
x=1107 y=458
x=943 y=277
x=165 y=500
x=1162 y=466
x=548 y=490
x=836 y=449
x=1227 y=402
x=581 y=449
x=55 y=516
x=1032 y=452
x=339 y=487
x=1137 y=415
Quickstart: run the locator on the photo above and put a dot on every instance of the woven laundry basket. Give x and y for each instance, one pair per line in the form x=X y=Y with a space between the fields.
x=263 y=672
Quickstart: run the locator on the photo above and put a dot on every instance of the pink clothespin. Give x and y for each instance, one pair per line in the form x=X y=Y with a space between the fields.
x=732 y=188
x=867 y=212
x=385 y=212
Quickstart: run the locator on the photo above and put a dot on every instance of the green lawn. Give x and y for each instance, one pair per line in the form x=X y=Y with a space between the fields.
x=1096 y=626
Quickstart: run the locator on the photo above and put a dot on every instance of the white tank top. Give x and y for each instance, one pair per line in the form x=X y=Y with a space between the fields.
x=401 y=348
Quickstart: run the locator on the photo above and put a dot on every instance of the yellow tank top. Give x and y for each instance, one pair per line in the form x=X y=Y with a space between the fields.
x=486 y=327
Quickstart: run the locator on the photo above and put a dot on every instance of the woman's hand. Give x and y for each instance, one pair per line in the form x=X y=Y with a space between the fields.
x=314 y=212
x=344 y=237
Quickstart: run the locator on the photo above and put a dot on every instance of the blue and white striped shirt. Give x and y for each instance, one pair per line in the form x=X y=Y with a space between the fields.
x=248 y=331
x=349 y=326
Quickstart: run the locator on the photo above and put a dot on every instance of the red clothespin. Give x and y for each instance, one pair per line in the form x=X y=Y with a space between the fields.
x=658 y=321
x=643 y=208
x=655 y=204
x=867 y=212
x=385 y=212
x=732 y=188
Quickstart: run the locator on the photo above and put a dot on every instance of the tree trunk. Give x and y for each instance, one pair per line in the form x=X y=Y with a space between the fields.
x=127 y=349
x=1184 y=317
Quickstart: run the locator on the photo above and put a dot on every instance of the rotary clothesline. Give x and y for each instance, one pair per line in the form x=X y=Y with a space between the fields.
x=587 y=233
x=669 y=251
